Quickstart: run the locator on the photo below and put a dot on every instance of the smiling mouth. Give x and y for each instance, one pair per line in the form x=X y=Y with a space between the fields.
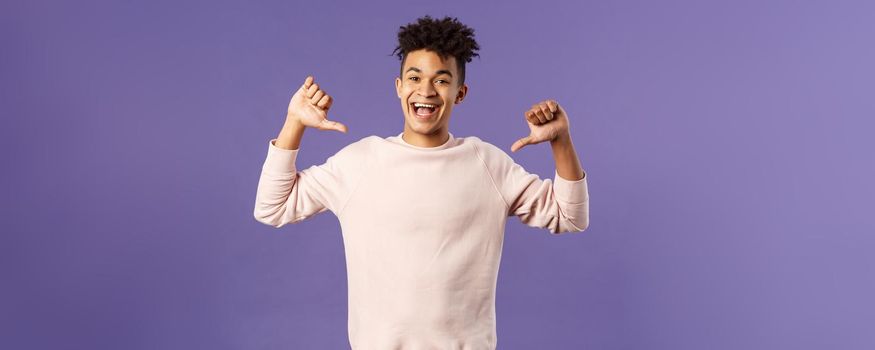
x=424 y=112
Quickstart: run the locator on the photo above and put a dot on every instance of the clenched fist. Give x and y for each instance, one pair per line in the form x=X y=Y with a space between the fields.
x=547 y=122
x=309 y=107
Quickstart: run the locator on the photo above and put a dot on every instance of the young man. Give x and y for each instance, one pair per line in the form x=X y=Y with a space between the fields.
x=423 y=213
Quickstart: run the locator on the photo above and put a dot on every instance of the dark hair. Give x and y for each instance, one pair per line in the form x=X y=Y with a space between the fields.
x=445 y=37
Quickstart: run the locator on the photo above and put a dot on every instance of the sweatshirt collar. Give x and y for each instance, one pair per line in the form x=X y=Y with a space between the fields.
x=399 y=140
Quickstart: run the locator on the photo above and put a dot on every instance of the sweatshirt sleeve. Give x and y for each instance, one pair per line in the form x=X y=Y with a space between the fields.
x=287 y=195
x=559 y=205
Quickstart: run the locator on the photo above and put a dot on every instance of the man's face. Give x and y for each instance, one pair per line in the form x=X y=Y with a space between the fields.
x=425 y=78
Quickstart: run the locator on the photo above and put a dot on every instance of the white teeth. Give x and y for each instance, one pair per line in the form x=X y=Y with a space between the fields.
x=424 y=105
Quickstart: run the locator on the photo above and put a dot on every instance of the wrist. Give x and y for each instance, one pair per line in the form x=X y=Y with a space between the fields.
x=561 y=139
x=293 y=123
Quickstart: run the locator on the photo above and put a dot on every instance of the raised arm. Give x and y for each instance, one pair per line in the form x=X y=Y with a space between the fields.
x=286 y=195
x=561 y=205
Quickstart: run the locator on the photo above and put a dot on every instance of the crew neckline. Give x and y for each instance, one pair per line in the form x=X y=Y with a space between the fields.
x=400 y=140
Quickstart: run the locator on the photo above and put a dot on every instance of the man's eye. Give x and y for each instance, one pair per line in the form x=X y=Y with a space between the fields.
x=440 y=80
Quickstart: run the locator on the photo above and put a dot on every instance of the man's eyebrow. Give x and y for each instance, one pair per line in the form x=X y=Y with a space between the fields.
x=442 y=71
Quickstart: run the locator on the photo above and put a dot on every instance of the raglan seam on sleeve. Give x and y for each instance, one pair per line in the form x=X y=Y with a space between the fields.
x=358 y=181
x=491 y=178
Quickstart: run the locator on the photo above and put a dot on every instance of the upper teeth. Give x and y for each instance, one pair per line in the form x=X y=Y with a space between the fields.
x=424 y=105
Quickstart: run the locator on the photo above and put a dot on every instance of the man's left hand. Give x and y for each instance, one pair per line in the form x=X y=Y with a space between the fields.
x=547 y=122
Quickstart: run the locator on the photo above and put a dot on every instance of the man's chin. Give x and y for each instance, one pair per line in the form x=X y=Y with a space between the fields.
x=414 y=121
x=422 y=128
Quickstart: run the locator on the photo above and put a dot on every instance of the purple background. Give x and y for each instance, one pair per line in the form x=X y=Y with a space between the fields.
x=728 y=148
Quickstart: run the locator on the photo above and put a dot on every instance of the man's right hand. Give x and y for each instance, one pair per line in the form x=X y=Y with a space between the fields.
x=309 y=107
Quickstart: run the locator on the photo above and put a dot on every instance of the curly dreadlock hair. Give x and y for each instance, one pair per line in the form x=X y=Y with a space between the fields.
x=446 y=36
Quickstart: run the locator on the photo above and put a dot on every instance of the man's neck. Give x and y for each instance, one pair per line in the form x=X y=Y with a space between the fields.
x=428 y=141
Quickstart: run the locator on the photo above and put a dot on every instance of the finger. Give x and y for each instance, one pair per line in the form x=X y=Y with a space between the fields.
x=536 y=111
x=545 y=111
x=536 y=118
x=520 y=143
x=317 y=96
x=540 y=114
x=554 y=107
x=546 y=108
x=306 y=84
x=324 y=102
x=312 y=90
x=332 y=125
x=530 y=117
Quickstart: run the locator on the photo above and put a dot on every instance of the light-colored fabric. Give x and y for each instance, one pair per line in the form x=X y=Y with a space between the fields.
x=423 y=230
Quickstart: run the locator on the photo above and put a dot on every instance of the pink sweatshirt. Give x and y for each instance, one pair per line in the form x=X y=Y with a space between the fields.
x=423 y=230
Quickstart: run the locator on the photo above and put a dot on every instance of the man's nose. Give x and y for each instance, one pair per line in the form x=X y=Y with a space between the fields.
x=426 y=90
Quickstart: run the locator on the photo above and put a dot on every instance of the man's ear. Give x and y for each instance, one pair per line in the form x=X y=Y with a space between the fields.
x=463 y=91
x=398 y=86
